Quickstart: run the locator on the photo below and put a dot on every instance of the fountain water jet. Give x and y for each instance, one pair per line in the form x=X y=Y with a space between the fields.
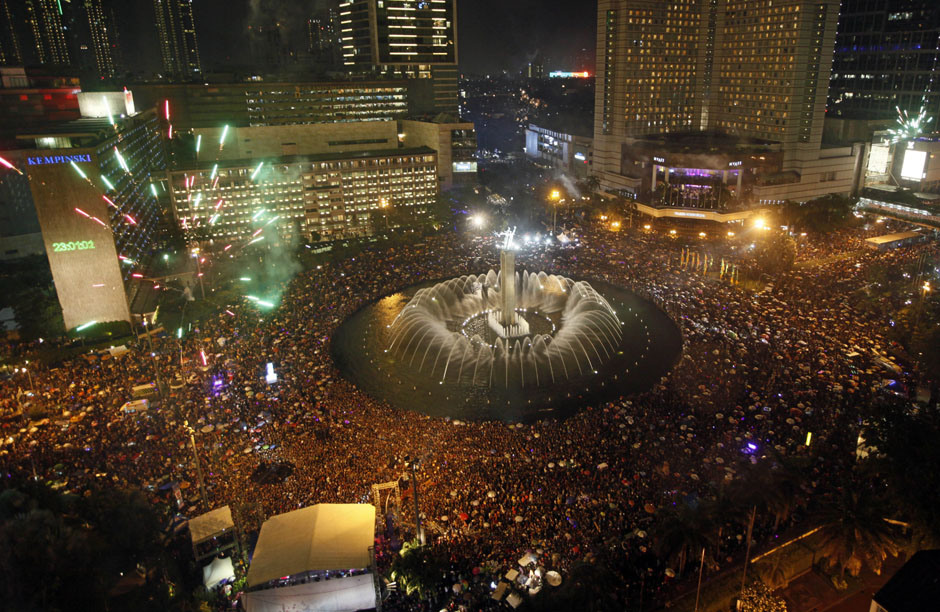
x=513 y=336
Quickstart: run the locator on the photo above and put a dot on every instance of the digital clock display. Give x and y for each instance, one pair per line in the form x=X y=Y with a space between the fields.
x=82 y=245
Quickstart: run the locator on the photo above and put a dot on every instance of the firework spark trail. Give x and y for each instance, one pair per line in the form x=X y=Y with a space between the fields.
x=121 y=161
x=9 y=165
x=108 y=108
x=79 y=170
x=166 y=109
x=108 y=183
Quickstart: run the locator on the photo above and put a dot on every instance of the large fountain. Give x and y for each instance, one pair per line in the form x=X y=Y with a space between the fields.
x=506 y=344
x=506 y=328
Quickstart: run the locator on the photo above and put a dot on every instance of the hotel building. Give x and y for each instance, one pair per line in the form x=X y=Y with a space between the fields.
x=91 y=182
x=414 y=39
x=697 y=97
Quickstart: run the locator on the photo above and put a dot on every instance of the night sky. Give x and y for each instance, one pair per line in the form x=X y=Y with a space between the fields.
x=493 y=35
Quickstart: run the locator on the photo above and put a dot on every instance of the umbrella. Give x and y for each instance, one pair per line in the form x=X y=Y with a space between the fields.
x=463 y=516
x=602 y=466
x=518 y=518
x=553 y=578
x=491 y=494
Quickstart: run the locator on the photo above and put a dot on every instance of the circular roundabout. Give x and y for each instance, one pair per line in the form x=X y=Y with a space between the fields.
x=471 y=348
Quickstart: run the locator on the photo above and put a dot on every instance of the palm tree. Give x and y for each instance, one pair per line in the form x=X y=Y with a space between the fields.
x=416 y=569
x=772 y=485
x=725 y=508
x=855 y=532
x=683 y=530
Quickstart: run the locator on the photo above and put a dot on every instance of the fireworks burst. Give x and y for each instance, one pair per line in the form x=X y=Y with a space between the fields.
x=909 y=127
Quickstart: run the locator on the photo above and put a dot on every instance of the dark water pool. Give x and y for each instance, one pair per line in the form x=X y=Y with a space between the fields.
x=650 y=345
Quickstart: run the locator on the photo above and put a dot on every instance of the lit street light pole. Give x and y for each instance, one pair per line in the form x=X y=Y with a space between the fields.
x=419 y=533
x=554 y=197
x=202 y=483
x=383 y=204
x=29 y=376
x=153 y=358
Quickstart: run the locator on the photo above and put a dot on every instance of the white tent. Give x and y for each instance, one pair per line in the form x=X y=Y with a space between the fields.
x=210 y=524
x=336 y=595
x=217 y=571
x=321 y=537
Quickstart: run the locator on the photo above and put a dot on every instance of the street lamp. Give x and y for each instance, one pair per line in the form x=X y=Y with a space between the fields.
x=383 y=204
x=554 y=196
x=28 y=375
x=419 y=533
x=202 y=483
x=477 y=221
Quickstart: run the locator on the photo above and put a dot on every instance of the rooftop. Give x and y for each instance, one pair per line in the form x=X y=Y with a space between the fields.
x=916 y=586
x=291 y=159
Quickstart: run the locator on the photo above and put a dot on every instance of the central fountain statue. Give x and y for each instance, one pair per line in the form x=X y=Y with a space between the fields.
x=534 y=329
x=507 y=322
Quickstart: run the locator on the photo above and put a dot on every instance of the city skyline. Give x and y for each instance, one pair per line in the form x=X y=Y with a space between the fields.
x=494 y=36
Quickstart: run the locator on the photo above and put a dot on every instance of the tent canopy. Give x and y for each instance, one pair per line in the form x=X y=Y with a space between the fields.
x=210 y=524
x=219 y=570
x=321 y=537
x=337 y=595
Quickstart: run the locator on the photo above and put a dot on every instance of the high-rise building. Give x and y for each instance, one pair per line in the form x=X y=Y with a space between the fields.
x=89 y=181
x=193 y=105
x=324 y=181
x=10 y=52
x=398 y=32
x=745 y=73
x=102 y=37
x=176 y=31
x=407 y=38
x=44 y=18
x=887 y=55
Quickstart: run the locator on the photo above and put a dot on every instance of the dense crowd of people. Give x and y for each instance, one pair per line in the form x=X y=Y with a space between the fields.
x=759 y=370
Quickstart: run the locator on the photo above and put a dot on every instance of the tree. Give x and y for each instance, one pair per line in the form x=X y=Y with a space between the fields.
x=854 y=532
x=590 y=587
x=417 y=569
x=59 y=552
x=682 y=531
x=756 y=597
x=776 y=253
x=822 y=214
x=907 y=450
x=725 y=508
x=771 y=485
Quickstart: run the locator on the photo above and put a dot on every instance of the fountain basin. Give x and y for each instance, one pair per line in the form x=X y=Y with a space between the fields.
x=648 y=346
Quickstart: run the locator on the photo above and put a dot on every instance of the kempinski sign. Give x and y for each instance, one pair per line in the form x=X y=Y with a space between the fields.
x=57 y=159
